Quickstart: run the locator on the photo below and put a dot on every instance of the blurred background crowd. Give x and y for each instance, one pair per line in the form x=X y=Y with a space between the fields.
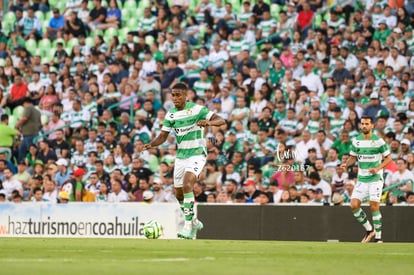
x=84 y=84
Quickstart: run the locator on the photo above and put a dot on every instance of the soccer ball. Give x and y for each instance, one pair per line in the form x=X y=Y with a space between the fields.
x=153 y=230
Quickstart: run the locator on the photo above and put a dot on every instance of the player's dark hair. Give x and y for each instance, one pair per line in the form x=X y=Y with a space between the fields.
x=367 y=117
x=180 y=86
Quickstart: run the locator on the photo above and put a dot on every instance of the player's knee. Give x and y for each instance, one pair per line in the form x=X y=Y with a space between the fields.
x=354 y=206
x=374 y=207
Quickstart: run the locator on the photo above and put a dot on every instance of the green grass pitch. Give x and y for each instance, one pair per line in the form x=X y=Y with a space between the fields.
x=130 y=256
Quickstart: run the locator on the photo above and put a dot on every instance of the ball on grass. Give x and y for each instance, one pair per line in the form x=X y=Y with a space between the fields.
x=153 y=230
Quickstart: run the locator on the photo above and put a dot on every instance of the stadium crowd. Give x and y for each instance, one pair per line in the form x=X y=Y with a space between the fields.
x=85 y=84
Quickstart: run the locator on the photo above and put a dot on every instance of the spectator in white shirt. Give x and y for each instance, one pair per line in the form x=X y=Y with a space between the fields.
x=389 y=18
x=117 y=194
x=350 y=60
x=311 y=80
x=396 y=61
x=50 y=193
x=316 y=182
x=402 y=174
x=303 y=146
x=10 y=184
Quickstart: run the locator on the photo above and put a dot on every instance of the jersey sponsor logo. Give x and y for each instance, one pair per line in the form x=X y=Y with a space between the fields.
x=183 y=130
x=171 y=115
x=366 y=157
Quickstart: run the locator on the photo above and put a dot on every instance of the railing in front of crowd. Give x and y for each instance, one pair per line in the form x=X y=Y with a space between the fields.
x=326 y=9
x=393 y=187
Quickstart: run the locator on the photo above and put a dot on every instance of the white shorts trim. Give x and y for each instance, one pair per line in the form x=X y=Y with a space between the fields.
x=193 y=165
x=371 y=190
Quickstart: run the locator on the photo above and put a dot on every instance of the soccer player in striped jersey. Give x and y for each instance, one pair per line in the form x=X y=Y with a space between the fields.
x=373 y=155
x=187 y=120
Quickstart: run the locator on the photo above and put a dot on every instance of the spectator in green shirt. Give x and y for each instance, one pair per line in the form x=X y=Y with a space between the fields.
x=7 y=135
x=76 y=195
x=343 y=144
x=382 y=32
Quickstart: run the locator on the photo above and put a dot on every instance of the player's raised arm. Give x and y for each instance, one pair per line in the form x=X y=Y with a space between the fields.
x=160 y=139
x=215 y=120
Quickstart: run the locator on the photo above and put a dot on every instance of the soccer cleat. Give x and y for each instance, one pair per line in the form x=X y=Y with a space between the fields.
x=368 y=236
x=186 y=233
x=378 y=241
x=197 y=227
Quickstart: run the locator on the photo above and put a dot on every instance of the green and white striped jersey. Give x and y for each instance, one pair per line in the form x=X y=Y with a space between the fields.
x=110 y=169
x=236 y=46
x=147 y=24
x=313 y=126
x=291 y=125
x=79 y=159
x=125 y=168
x=269 y=144
x=369 y=154
x=336 y=125
x=237 y=111
x=266 y=27
x=244 y=17
x=92 y=107
x=401 y=106
x=190 y=137
x=200 y=87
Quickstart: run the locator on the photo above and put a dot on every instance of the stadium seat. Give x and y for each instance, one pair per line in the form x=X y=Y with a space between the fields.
x=18 y=112
x=89 y=41
x=40 y=15
x=120 y=5
x=144 y=4
x=37 y=52
x=45 y=59
x=31 y=45
x=125 y=15
x=130 y=5
x=149 y=40
x=57 y=41
x=139 y=12
x=45 y=25
x=111 y=32
x=48 y=15
x=7 y=110
x=12 y=121
x=2 y=62
x=71 y=43
x=132 y=23
x=61 y=5
x=122 y=34
x=45 y=44
x=8 y=21
x=44 y=119
x=203 y=29
x=53 y=4
x=105 y=3
x=274 y=9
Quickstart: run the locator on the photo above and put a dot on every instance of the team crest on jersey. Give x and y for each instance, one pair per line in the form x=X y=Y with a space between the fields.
x=189 y=112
